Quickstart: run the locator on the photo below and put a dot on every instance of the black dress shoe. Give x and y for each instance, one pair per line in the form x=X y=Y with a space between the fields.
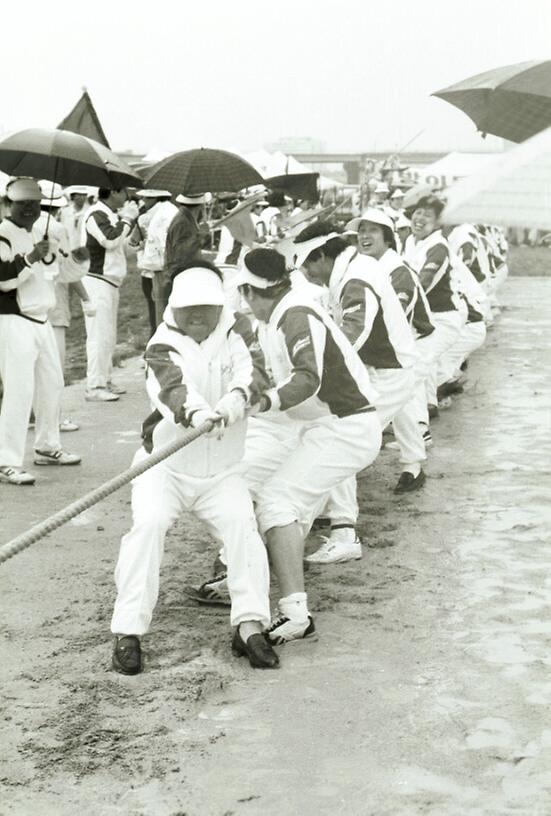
x=447 y=389
x=127 y=655
x=408 y=482
x=257 y=649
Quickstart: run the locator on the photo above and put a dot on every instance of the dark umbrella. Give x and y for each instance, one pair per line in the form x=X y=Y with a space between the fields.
x=513 y=102
x=202 y=171
x=64 y=157
x=297 y=185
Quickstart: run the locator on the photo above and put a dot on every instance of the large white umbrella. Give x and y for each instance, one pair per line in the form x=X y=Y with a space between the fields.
x=515 y=190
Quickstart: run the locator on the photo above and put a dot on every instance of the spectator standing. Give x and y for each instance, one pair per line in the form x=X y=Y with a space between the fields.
x=153 y=203
x=29 y=360
x=105 y=232
x=184 y=238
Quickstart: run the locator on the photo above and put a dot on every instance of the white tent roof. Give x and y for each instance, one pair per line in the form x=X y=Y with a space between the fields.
x=514 y=189
x=457 y=165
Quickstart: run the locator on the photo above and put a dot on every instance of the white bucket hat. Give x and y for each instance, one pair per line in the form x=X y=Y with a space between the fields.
x=52 y=194
x=374 y=216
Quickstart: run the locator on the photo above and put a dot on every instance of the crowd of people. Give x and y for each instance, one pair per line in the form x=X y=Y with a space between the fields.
x=293 y=353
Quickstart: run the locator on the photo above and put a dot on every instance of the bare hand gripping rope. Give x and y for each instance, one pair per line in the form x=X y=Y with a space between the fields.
x=42 y=529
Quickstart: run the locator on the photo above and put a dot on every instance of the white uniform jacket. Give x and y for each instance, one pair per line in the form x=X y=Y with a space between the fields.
x=369 y=312
x=25 y=289
x=183 y=377
x=411 y=294
x=430 y=258
x=105 y=237
x=316 y=371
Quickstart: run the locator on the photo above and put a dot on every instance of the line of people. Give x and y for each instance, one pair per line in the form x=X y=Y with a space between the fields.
x=355 y=336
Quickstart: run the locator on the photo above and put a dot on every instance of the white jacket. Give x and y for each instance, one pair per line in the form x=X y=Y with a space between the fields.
x=153 y=255
x=369 y=312
x=184 y=377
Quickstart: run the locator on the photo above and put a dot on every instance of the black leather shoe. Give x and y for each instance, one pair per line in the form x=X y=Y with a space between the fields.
x=127 y=655
x=408 y=482
x=447 y=389
x=257 y=649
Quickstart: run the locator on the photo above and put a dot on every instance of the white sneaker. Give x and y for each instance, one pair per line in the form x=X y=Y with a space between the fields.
x=15 y=476
x=391 y=445
x=338 y=548
x=58 y=457
x=115 y=389
x=283 y=629
x=100 y=395
x=67 y=425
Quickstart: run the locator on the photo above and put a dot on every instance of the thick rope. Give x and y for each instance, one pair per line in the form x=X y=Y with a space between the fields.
x=42 y=529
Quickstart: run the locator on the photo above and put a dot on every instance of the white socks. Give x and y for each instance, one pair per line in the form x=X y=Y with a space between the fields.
x=414 y=469
x=343 y=533
x=294 y=607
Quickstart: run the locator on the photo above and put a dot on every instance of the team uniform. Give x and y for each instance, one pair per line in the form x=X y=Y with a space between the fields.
x=105 y=236
x=331 y=429
x=430 y=258
x=30 y=367
x=462 y=242
x=185 y=381
x=369 y=312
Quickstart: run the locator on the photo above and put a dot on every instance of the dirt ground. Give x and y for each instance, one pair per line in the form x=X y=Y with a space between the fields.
x=428 y=690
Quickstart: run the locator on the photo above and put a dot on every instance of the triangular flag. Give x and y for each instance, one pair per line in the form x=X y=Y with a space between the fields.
x=83 y=119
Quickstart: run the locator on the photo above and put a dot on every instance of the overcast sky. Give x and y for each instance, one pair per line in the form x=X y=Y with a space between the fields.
x=355 y=74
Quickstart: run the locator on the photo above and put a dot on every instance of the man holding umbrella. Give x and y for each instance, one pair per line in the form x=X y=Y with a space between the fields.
x=29 y=361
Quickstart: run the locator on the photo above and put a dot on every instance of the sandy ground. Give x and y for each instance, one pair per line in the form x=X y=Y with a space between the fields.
x=427 y=692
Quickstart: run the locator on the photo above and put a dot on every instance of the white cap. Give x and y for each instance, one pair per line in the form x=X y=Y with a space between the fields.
x=153 y=194
x=402 y=222
x=23 y=189
x=304 y=248
x=382 y=187
x=201 y=198
x=397 y=193
x=196 y=286
x=374 y=216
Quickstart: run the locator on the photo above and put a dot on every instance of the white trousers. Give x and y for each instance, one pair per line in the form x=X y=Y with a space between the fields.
x=447 y=326
x=29 y=367
x=472 y=336
x=59 y=334
x=395 y=388
x=292 y=470
x=101 y=331
x=224 y=504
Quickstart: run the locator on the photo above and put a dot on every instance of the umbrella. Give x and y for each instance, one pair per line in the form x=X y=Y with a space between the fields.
x=202 y=170
x=297 y=185
x=514 y=191
x=513 y=102
x=68 y=158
